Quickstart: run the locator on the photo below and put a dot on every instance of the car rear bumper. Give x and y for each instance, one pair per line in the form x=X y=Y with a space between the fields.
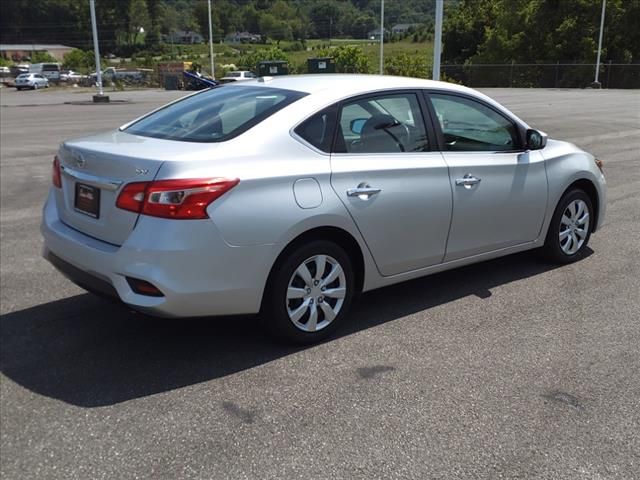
x=188 y=261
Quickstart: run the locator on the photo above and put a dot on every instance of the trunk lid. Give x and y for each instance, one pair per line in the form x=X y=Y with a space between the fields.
x=93 y=171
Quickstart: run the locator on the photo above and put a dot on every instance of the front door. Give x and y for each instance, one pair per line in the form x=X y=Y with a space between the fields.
x=499 y=190
x=396 y=190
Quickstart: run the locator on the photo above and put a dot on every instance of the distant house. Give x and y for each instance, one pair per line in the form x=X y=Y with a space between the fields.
x=242 y=37
x=403 y=27
x=183 y=37
x=20 y=51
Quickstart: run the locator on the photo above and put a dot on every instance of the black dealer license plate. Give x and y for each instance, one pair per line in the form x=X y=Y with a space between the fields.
x=87 y=200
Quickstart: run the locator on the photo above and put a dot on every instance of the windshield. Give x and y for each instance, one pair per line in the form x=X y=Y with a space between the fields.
x=215 y=115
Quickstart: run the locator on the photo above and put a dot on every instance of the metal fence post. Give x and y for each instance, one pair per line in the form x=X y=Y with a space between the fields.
x=511 y=74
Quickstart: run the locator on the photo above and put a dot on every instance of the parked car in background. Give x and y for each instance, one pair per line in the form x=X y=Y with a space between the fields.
x=33 y=81
x=19 y=69
x=111 y=74
x=51 y=71
x=70 y=76
x=291 y=195
x=238 y=76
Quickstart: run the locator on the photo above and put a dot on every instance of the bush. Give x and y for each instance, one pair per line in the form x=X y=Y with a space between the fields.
x=79 y=60
x=294 y=47
x=43 y=57
x=348 y=59
x=405 y=65
x=250 y=60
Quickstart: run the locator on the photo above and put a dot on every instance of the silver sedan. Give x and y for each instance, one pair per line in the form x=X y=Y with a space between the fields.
x=31 y=80
x=288 y=196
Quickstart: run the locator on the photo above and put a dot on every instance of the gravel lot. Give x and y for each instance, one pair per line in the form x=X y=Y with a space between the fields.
x=506 y=369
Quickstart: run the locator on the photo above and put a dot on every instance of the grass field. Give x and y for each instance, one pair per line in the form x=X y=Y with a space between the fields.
x=232 y=54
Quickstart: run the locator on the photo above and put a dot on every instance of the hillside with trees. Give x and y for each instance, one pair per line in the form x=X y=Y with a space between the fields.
x=527 y=42
x=67 y=21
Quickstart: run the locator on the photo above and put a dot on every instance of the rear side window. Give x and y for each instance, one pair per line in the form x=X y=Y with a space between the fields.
x=214 y=115
x=318 y=130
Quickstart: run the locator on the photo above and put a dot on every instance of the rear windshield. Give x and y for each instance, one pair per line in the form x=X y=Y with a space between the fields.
x=215 y=115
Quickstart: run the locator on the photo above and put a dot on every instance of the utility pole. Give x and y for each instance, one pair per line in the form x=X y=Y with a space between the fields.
x=437 y=41
x=213 y=72
x=381 y=37
x=101 y=97
x=596 y=83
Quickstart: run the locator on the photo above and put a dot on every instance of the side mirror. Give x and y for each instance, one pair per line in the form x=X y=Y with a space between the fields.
x=357 y=124
x=536 y=140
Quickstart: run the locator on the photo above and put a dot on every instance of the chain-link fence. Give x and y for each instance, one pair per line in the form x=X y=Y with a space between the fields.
x=546 y=75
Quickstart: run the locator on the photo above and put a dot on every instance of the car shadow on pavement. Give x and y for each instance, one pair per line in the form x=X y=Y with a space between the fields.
x=89 y=352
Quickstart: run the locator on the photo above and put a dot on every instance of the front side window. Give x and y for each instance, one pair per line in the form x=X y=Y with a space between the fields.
x=390 y=123
x=470 y=126
x=215 y=115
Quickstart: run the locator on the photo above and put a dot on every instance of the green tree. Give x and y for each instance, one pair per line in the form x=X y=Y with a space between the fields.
x=271 y=27
x=138 y=19
x=362 y=25
x=405 y=65
x=324 y=17
x=78 y=59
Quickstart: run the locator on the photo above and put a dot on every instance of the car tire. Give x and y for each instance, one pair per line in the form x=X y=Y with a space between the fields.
x=18 y=89
x=35 y=86
x=302 y=304
x=570 y=229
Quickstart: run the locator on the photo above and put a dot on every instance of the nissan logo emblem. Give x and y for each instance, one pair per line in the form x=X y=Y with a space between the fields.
x=80 y=161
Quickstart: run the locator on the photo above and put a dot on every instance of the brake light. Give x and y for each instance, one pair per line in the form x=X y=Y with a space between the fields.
x=132 y=196
x=55 y=173
x=179 y=199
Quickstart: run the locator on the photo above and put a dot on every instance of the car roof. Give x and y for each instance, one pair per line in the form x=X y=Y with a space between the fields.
x=333 y=87
x=349 y=83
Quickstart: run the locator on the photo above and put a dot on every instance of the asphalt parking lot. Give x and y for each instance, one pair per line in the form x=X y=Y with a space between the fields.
x=507 y=369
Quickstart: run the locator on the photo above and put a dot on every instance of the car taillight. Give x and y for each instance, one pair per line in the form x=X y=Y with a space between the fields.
x=55 y=173
x=178 y=199
x=132 y=196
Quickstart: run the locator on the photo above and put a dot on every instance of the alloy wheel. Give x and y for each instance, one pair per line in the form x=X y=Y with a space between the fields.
x=316 y=293
x=574 y=227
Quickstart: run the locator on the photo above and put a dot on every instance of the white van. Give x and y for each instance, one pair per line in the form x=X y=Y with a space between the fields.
x=51 y=71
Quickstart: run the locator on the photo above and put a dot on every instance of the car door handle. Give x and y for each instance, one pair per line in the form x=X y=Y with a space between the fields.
x=363 y=191
x=467 y=181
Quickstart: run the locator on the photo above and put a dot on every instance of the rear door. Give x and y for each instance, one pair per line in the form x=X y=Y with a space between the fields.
x=499 y=189
x=391 y=182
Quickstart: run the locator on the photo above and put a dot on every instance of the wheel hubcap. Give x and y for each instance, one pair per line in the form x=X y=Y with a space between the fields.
x=574 y=226
x=316 y=293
